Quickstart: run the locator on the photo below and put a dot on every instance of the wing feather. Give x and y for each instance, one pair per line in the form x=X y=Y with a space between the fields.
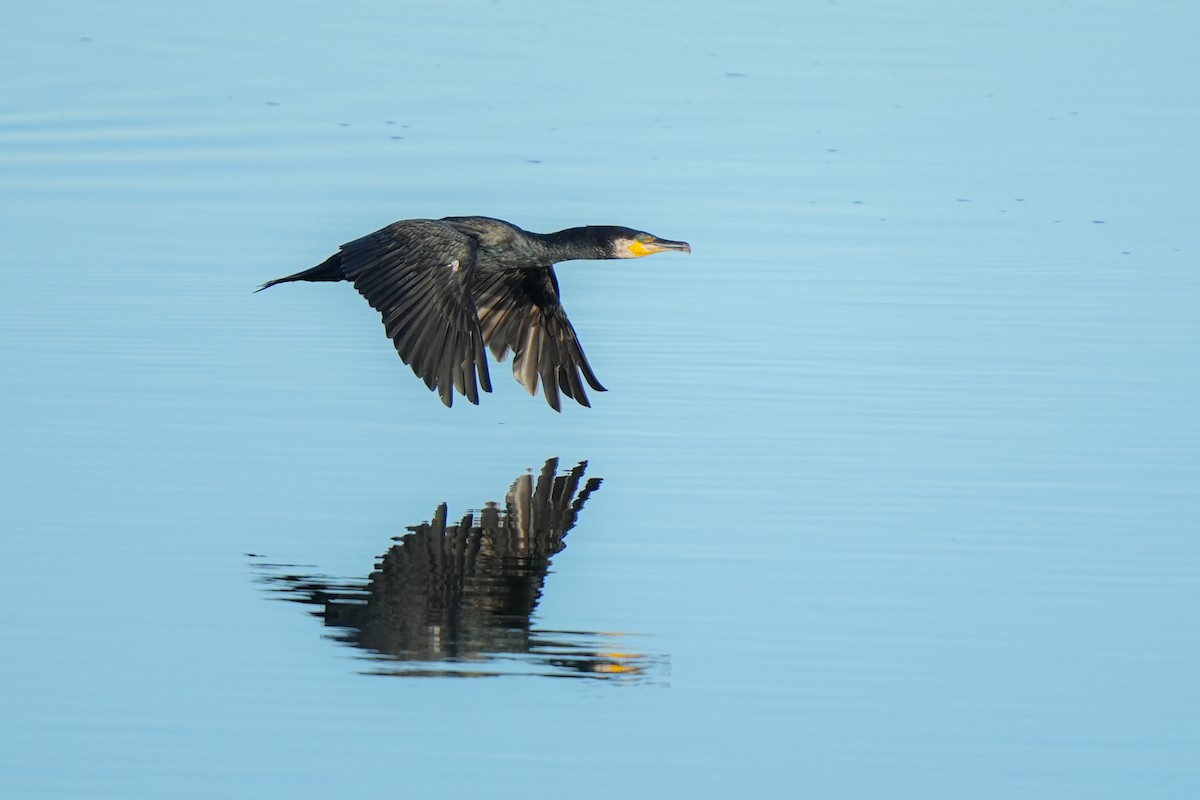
x=520 y=312
x=417 y=274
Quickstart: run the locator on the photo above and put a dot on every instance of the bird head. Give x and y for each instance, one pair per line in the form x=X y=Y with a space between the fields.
x=635 y=244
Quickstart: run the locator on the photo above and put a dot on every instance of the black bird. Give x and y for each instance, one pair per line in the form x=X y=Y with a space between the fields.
x=448 y=287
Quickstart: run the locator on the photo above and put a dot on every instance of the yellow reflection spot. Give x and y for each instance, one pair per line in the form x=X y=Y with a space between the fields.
x=617 y=669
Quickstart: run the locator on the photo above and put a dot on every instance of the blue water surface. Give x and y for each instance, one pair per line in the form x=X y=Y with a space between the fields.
x=898 y=469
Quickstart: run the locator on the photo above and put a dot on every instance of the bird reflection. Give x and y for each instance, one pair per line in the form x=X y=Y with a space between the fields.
x=456 y=598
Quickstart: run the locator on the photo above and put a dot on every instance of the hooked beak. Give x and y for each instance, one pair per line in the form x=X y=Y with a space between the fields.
x=659 y=245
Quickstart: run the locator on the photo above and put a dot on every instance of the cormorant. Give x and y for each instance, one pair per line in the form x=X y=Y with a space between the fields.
x=446 y=288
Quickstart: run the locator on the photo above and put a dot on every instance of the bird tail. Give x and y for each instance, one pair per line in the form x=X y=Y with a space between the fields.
x=328 y=270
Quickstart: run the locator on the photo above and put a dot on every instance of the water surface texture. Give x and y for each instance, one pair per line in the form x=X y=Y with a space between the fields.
x=899 y=466
x=457 y=600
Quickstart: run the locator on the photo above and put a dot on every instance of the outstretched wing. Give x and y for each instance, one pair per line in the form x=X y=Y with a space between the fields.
x=417 y=274
x=519 y=311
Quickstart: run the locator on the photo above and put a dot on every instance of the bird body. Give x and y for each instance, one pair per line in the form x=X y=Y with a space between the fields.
x=448 y=288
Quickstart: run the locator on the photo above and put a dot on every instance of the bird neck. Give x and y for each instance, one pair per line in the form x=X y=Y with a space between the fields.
x=574 y=243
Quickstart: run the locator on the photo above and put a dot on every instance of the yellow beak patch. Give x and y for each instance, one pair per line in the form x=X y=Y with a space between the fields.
x=643 y=249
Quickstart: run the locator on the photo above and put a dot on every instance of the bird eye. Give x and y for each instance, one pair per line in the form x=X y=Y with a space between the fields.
x=643 y=238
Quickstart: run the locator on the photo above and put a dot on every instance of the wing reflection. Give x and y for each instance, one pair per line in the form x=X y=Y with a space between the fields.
x=456 y=599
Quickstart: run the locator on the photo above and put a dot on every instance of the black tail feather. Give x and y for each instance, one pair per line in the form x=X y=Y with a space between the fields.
x=328 y=270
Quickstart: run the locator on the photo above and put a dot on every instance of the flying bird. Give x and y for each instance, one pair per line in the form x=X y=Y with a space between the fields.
x=448 y=288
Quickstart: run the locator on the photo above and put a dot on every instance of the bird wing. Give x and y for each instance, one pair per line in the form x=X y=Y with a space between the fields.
x=519 y=311
x=417 y=274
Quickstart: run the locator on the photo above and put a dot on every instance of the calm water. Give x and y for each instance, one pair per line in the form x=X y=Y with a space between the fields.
x=894 y=492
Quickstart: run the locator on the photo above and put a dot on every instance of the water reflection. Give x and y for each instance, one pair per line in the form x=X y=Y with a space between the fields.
x=456 y=599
